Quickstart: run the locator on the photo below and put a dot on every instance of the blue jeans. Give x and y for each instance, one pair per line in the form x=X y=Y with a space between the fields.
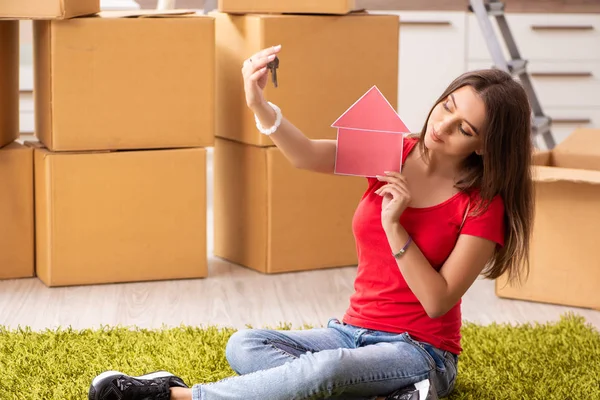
x=341 y=361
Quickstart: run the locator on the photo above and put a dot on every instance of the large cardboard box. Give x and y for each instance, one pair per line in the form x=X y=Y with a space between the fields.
x=289 y=6
x=16 y=212
x=326 y=64
x=565 y=263
x=272 y=217
x=116 y=82
x=9 y=82
x=47 y=9
x=120 y=216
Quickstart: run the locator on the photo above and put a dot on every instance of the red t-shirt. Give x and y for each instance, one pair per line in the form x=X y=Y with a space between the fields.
x=382 y=299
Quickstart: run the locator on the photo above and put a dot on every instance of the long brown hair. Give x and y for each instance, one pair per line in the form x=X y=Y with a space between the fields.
x=504 y=168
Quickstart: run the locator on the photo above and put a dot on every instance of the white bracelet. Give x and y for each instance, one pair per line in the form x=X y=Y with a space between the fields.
x=277 y=121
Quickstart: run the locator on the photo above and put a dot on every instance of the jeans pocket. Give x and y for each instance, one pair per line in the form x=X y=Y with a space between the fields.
x=437 y=355
x=420 y=346
x=451 y=368
x=445 y=380
x=443 y=366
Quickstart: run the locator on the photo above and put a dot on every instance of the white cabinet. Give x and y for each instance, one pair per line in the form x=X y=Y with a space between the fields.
x=563 y=54
x=543 y=37
x=432 y=53
x=561 y=83
x=563 y=51
x=26 y=118
x=26 y=108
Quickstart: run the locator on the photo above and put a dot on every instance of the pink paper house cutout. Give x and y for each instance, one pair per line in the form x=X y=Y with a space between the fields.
x=370 y=137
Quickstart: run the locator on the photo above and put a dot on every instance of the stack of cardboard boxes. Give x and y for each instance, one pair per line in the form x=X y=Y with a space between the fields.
x=125 y=107
x=270 y=216
x=124 y=111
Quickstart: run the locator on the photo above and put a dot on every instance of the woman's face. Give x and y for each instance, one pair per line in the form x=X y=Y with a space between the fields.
x=455 y=125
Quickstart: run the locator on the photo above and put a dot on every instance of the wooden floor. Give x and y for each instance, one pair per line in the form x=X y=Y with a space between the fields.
x=231 y=296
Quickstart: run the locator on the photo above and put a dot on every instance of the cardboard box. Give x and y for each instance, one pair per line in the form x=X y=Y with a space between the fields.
x=47 y=9
x=117 y=83
x=326 y=64
x=16 y=212
x=289 y=6
x=272 y=217
x=9 y=82
x=564 y=257
x=120 y=216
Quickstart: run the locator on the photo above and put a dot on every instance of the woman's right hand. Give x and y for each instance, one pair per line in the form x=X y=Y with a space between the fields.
x=256 y=74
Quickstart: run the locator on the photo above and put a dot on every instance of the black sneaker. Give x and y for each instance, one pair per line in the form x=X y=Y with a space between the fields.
x=419 y=391
x=114 y=385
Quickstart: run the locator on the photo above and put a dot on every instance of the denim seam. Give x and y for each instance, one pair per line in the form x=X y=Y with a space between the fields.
x=425 y=375
x=283 y=352
x=197 y=390
x=426 y=354
x=273 y=343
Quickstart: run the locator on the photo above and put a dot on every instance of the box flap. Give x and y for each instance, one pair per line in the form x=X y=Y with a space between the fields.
x=581 y=149
x=34 y=145
x=354 y=13
x=576 y=160
x=584 y=141
x=38 y=147
x=146 y=13
x=542 y=157
x=297 y=7
x=47 y=9
x=15 y=146
x=553 y=174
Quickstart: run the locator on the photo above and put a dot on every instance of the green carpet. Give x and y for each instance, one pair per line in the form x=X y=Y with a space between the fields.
x=552 y=361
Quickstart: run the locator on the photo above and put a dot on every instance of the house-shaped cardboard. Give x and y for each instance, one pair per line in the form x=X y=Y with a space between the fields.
x=370 y=137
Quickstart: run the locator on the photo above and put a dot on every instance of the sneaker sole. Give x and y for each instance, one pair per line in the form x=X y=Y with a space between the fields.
x=108 y=374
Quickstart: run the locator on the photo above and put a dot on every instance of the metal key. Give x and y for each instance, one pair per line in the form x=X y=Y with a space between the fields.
x=273 y=65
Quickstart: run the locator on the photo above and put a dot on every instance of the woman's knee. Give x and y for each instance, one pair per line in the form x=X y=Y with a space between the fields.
x=239 y=348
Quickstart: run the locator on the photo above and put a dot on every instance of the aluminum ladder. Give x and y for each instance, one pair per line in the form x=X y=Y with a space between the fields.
x=516 y=66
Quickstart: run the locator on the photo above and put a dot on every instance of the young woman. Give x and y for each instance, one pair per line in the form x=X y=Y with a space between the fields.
x=462 y=206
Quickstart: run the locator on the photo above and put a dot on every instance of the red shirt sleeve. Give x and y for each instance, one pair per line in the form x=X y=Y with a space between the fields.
x=489 y=224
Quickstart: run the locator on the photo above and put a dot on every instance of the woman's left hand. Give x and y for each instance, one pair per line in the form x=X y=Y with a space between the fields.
x=396 y=197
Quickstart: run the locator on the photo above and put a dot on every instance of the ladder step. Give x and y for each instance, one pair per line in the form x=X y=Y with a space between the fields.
x=493 y=9
x=541 y=125
x=541 y=128
x=517 y=67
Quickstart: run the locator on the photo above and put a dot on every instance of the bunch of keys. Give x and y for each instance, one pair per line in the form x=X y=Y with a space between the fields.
x=273 y=65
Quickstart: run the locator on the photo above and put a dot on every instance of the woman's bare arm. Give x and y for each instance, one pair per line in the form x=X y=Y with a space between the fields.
x=302 y=152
